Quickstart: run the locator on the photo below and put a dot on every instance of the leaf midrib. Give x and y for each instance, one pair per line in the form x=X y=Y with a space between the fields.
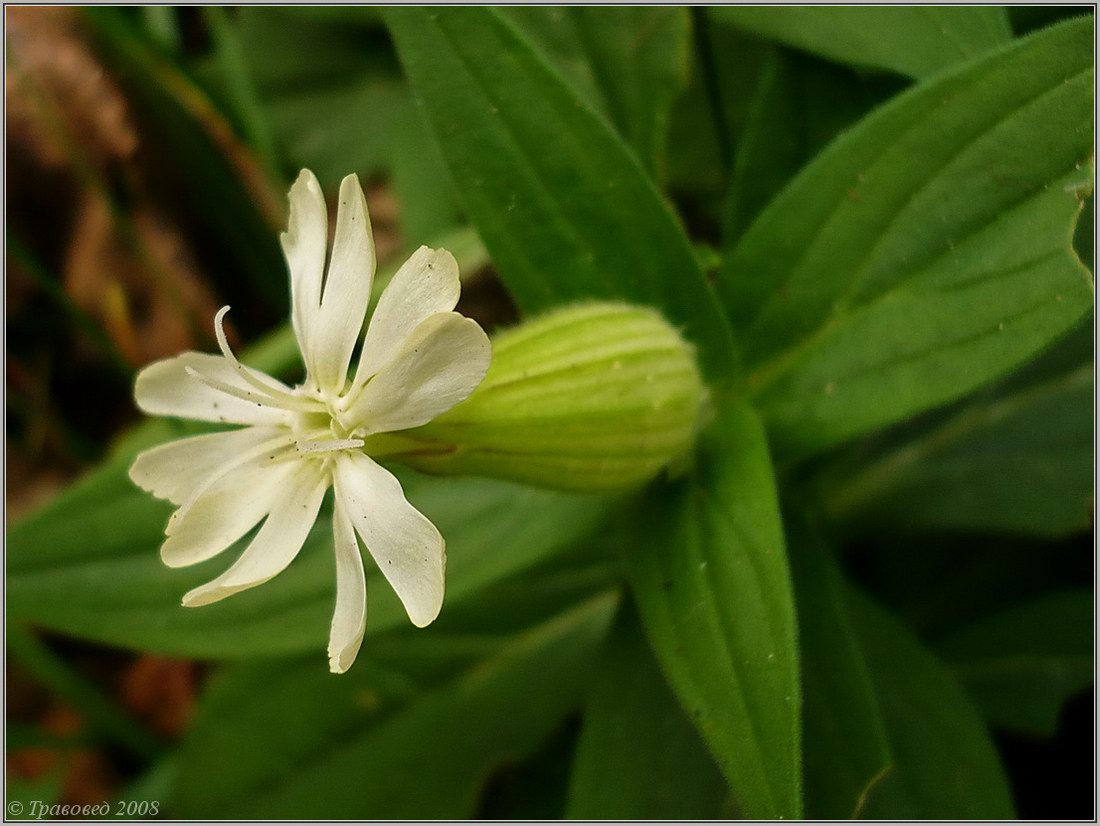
x=778 y=363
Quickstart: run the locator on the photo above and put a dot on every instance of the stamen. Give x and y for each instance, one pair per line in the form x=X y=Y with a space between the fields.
x=275 y=393
x=259 y=398
x=327 y=446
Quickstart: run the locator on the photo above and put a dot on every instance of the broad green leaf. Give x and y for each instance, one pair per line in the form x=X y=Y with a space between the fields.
x=945 y=764
x=638 y=756
x=563 y=207
x=1020 y=461
x=910 y=40
x=364 y=745
x=799 y=104
x=89 y=566
x=628 y=63
x=845 y=753
x=926 y=252
x=707 y=564
x=1022 y=664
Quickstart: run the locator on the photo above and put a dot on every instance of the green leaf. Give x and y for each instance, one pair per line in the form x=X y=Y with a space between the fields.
x=638 y=756
x=912 y=40
x=953 y=206
x=845 y=749
x=89 y=566
x=563 y=207
x=328 y=85
x=945 y=765
x=798 y=105
x=628 y=63
x=698 y=145
x=706 y=560
x=1022 y=664
x=331 y=86
x=239 y=86
x=367 y=745
x=1019 y=461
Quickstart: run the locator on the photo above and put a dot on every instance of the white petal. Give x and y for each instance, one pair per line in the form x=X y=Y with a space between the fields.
x=425 y=285
x=407 y=547
x=165 y=388
x=225 y=512
x=347 y=289
x=172 y=470
x=304 y=244
x=439 y=365
x=349 y=622
x=278 y=541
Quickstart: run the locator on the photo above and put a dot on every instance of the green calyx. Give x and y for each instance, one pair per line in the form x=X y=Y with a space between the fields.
x=590 y=398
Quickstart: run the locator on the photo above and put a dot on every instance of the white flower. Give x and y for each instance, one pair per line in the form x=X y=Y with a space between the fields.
x=418 y=360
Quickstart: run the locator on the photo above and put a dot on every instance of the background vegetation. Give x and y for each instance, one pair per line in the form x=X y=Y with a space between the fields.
x=869 y=592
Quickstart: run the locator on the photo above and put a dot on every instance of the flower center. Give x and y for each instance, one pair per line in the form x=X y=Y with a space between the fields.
x=321 y=431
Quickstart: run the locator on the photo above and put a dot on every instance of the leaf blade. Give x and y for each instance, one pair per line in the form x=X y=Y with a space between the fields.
x=945 y=765
x=638 y=757
x=937 y=207
x=1022 y=664
x=563 y=207
x=845 y=747
x=915 y=40
x=706 y=561
x=369 y=746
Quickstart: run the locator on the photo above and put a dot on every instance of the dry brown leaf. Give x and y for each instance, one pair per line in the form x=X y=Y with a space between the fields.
x=149 y=300
x=49 y=65
x=161 y=691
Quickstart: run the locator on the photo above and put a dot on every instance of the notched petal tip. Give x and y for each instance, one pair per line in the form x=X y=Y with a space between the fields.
x=348 y=181
x=307 y=180
x=341 y=660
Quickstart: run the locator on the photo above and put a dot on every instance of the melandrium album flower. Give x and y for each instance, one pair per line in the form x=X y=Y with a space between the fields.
x=419 y=359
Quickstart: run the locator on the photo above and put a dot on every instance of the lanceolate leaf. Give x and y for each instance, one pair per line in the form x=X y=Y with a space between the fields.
x=798 y=105
x=925 y=252
x=1017 y=462
x=846 y=753
x=911 y=40
x=638 y=757
x=944 y=764
x=628 y=62
x=1021 y=665
x=371 y=743
x=565 y=210
x=706 y=559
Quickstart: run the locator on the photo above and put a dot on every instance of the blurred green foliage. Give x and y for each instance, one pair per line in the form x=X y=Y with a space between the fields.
x=870 y=566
